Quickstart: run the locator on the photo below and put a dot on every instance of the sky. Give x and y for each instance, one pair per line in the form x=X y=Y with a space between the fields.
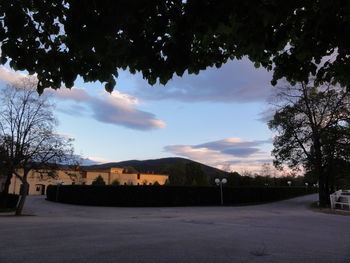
x=216 y=117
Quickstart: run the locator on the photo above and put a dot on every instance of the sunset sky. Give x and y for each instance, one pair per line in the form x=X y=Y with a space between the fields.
x=216 y=117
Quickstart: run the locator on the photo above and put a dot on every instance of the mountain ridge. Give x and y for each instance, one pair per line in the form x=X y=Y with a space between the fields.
x=156 y=165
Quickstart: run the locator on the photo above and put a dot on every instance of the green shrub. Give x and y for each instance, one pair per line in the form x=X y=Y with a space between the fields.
x=115 y=182
x=170 y=195
x=11 y=200
x=98 y=181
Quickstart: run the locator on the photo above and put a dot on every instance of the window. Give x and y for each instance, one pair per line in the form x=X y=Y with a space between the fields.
x=138 y=176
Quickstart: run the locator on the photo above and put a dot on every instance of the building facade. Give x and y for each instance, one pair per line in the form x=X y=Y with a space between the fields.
x=39 y=179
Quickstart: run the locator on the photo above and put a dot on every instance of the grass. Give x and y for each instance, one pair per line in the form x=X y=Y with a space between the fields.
x=327 y=210
x=7 y=210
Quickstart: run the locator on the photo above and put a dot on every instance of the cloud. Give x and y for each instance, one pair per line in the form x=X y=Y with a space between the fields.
x=124 y=97
x=116 y=111
x=116 y=108
x=236 y=81
x=239 y=154
x=8 y=76
x=73 y=109
x=65 y=135
x=92 y=160
x=234 y=146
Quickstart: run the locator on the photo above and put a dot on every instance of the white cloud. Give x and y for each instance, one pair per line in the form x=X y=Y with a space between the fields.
x=124 y=97
x=65 y=135
x=97 y=160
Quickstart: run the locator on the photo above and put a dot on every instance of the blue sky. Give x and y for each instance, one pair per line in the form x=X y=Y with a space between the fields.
x=213 y=117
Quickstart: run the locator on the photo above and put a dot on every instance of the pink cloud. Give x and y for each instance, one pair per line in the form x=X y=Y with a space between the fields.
x=239 y=154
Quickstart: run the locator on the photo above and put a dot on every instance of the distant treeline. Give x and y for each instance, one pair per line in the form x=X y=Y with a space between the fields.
x=183 y=172
x=192 y=174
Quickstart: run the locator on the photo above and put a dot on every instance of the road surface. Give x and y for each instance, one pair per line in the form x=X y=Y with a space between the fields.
x=285 y=231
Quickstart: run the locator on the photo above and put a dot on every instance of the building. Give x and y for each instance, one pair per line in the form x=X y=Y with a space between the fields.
x=39 y=179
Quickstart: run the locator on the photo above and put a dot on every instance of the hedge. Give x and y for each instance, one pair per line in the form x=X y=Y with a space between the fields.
x=11 y=201
x=108 y=195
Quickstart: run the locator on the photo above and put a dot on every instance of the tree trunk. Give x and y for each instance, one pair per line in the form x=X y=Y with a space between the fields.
x=7 y=183
x=323 y=190
x=23 y=196
x=5 y=190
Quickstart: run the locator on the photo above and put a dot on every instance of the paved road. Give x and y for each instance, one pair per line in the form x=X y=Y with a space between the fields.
x=279 y=232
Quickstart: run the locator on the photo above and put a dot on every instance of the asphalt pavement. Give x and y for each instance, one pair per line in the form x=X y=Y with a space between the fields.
x=286 y=231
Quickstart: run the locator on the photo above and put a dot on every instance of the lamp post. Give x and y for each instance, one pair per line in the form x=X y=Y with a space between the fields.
x=220 y=183
x=289 y=183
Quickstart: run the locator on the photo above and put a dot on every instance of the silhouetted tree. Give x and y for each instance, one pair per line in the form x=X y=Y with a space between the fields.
x=62 y=39
x=98 y=181
x=195 y=175
x=312 y=125
x=177 y=173
x=115 y=182
x=234 y=179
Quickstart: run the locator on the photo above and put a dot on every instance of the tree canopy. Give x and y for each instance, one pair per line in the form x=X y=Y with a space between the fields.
x=62 y=39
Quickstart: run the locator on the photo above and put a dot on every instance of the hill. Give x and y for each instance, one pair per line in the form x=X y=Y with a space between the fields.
x=162 y=165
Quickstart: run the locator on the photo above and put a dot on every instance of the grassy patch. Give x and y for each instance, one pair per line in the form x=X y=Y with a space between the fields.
x=7 y=210
x=327 y=210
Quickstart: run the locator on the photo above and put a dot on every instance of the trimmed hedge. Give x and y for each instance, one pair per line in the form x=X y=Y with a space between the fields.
x=11 y=201
x=168 y=195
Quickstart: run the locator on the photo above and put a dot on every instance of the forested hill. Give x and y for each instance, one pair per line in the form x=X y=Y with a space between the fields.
x=162 y=165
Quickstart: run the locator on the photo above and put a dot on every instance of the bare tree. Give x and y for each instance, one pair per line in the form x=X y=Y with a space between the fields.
x=27 y=134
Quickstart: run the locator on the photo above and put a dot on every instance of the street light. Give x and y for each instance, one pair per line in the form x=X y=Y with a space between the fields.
x=220 y=183
x=289 y=183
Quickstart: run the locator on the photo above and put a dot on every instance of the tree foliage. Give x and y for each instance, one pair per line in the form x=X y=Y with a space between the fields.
x=195 y=175
x=313 y=131
x=189 y=173
x=98 y=181
x=27 y=137
x=115 y=182
x=62 y=39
